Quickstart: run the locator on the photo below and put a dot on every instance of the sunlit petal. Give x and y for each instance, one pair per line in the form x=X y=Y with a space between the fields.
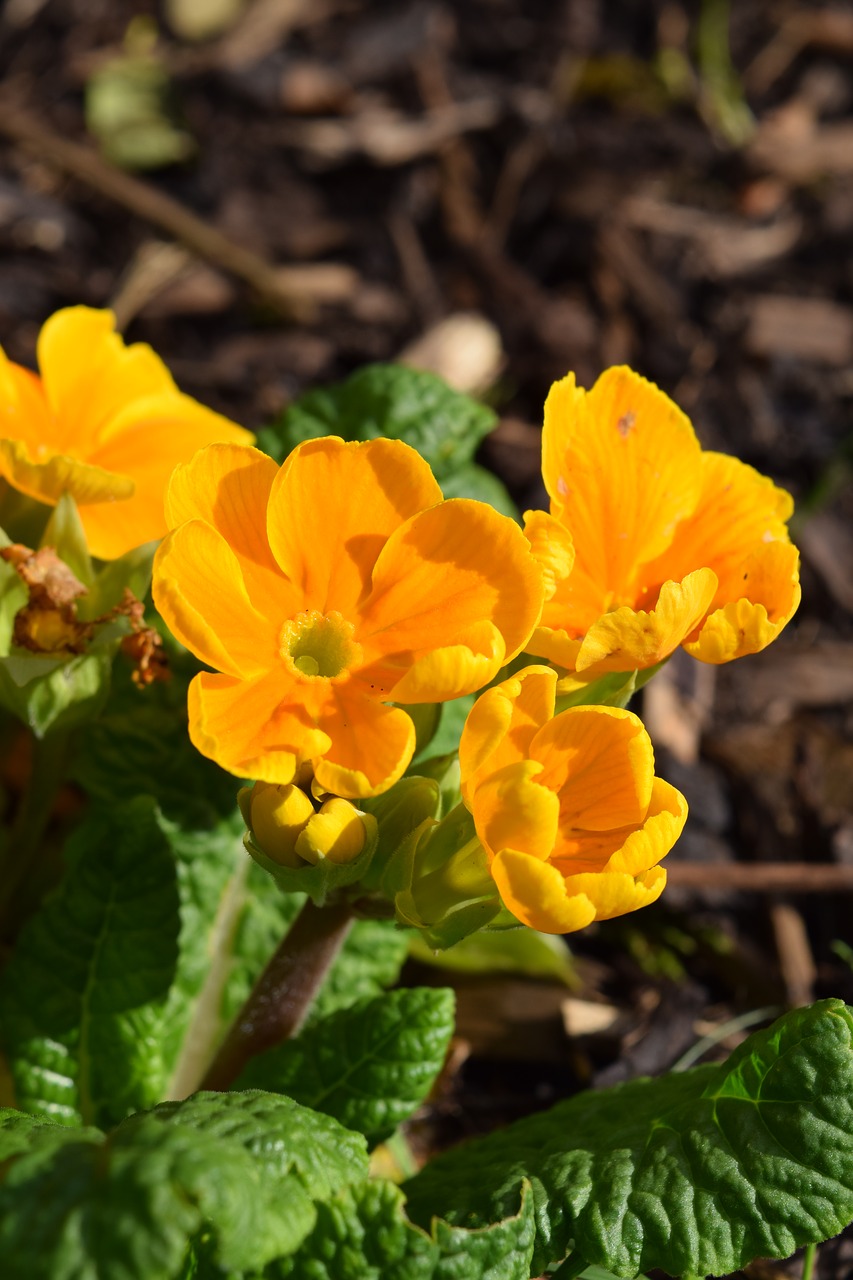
x=448 y=570
x=229 y=485
x=198 y=588
x=370 y=748
x=535 y=893
x=47 y=481
x=628 y=639
x=449 y=672
x=629 y=472
x=252 y=728
x=616 y=893
x=514 y=811
x=503 y=721
x=552 y=547
x=600 y=761
x=333 y=506
x=663 y=825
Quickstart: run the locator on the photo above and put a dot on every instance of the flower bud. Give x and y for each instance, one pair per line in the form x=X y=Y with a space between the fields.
x=336 y=834
x=277 y=816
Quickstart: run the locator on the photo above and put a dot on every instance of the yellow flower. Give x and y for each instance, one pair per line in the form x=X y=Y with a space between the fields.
x=568 y=808
x=105 y=423
x=673 y=545
x=325 y=590
x=291 y=831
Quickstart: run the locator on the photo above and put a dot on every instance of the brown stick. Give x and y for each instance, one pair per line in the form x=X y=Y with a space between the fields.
x=153 y=206
x=763 y=877
x=283 y=994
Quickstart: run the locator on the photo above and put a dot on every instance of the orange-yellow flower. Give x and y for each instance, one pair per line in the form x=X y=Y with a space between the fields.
x=672 y=545
x=105 y=423
x=325 y=590
x=568 y=808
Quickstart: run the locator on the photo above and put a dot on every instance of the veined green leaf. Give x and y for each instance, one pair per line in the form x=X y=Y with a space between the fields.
x=83 y=998
x=474 y=481
x=696 y=1173
x=370 y=1065
x=390 y=400
x=364 y=1234
x=240 y=1170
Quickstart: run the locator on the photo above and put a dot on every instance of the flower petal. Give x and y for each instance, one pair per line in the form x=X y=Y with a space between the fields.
x=748 y=625
x=512 y=810
x=89 y=374
x=616 y=893
x=443 y=574
x=739 y=511
x=663 y=825
x=626 y=640
x=552 y=547
x=228 y=485
x=198 y=588
x=446 y=673
x=47 y=481
x=502 y=722
x=601 y=763
x=147 y=440
x=24 y=411
x=371 y=745
x=622 y=466
x=252 y=728
x=535 y=893
x=332 y=507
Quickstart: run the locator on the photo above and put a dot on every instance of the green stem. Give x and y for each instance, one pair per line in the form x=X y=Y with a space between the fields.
x=285 y=991
x=809 y=1257
x=49 y=767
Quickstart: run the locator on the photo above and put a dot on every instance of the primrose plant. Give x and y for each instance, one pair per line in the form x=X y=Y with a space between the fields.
x=426 y=701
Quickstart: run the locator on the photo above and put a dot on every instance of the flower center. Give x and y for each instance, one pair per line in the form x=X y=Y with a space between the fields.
x=318 y=644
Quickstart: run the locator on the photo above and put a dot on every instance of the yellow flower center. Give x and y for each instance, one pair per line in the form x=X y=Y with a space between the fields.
x=318 y=644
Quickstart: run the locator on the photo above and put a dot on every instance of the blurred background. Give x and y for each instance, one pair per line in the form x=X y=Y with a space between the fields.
x=274 y=192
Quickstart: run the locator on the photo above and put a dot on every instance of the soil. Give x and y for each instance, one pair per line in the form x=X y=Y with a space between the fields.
x=585 y=185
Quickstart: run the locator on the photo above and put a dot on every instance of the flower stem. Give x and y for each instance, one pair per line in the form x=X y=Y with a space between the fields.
x=285 y=991
x=809 y=1260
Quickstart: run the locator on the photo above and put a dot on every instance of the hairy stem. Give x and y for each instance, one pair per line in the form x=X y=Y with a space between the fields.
x=285 y=991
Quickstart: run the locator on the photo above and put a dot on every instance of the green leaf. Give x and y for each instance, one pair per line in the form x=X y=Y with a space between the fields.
x=364 y=1234
x=474 y=481
x=524 y=951
x=139 y=745
x=82 y=1001
x=245 y=1167
x=370 y=1066
x=696 y=1173
x=393 y=401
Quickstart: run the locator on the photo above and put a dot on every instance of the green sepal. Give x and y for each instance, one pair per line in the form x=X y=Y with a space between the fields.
x=319 y=881
x=399 y=812
x=616 y=689
x=513 y=950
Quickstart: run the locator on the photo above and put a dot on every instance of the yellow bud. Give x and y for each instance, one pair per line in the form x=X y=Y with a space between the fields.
x=279 y=815
x=337 y=833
